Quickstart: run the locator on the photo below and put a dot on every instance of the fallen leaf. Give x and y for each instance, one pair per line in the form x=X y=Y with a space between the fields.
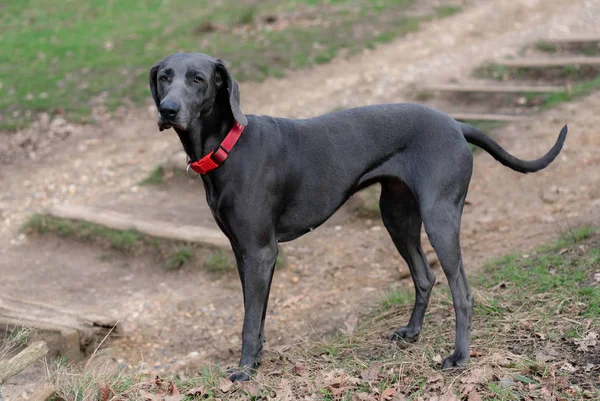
x=251 y=388
x=388 y=394
x=225 y=385
x=196 y=391
x=174 y=397
x=172 y=389
x=437 y=358
x=474 y=396
x=284 y=393
x=350 y=324
x=589 y=341
x=540 y=356
x=147 y=396
x=105 y=392
x=478 y=376
x=372 y=373
x=363 y=397
x=435 y=378
x=300 y=369
x=475 y=354
x=567 y=367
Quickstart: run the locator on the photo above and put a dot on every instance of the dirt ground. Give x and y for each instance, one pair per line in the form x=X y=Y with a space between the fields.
x=176 y=319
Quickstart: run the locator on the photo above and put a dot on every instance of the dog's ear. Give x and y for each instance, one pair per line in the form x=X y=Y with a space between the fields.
x=227 y=82
x=152 y=80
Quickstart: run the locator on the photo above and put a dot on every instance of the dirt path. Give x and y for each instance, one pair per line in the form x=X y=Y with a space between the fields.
x=344 y=266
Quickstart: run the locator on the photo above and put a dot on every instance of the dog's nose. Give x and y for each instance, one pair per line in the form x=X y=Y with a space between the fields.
x=168 y=109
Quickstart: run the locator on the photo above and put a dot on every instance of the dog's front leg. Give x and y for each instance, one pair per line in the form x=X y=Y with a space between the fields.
x=256 y=274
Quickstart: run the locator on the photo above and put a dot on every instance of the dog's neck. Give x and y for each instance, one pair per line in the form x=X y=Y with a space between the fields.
x=207 y=132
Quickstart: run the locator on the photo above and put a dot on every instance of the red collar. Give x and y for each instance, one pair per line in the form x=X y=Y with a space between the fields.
x=214 y=159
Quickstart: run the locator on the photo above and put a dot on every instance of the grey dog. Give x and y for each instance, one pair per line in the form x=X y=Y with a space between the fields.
x=285 y=177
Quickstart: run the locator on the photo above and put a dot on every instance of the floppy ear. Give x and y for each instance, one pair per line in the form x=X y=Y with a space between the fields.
x=153 y=89
x=233 y=91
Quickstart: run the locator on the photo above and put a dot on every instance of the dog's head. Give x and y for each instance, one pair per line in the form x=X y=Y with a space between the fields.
x=187 y=87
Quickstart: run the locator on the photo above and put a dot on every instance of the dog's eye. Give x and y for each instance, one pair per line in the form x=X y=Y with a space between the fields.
x=198 y=80
x=163 y=78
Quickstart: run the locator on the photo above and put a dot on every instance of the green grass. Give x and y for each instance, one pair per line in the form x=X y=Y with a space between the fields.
x=121 y=240
x=546 y=47
x=395 y=298
x=577 y=90
x=172 y=254
x=156 y=177
x=68 y=55
x=446 y=11
x=179 y=258
x=219 y=262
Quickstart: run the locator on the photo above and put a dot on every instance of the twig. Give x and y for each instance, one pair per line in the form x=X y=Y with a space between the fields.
x=22 y=360
x=99 y=345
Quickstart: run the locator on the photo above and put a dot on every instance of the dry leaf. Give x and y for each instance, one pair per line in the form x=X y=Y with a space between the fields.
x=147 y=396
x=300 y=369
x=225 y=385
x=372 y=373
x=478 y=376
x=388 y=394
x=449 y=396
x=284 y=393
x=350 y=324
x=105 y=392
x=363 y=397
x=437 y=358
x=474 y=396
x=196 y=391
x=172 y=389
x=435 y=378
x=174 y=397
x=589 y=341
x=251 y=388
x=567 y=367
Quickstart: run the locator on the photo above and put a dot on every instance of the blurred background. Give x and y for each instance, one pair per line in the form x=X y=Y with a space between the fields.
x=106 y=242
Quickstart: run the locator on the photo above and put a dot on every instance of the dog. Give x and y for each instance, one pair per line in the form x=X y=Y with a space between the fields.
x=270 y=180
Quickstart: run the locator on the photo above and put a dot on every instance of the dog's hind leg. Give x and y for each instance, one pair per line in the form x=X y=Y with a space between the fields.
x=442 y=217
x=401 y=217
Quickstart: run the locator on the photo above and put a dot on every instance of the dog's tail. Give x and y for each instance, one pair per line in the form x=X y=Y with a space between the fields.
x=478 y=138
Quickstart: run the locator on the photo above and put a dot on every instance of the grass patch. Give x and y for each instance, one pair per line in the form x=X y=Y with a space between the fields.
x=86 y=53
x=172 y=254
x=219 y=262
x=156 y=177
x=446 y=11
x=546 y=47
x=395 y=298
x=121 y=240
x=179 y=258
x=577 y=90
x=550 y=74
x=533 y=338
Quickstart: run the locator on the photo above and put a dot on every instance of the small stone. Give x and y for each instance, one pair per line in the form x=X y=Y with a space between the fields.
x=295 y=279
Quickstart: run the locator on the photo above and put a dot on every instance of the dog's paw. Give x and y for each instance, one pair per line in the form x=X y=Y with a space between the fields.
x=455 y=360
x=406 y=334
x=238 y=374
